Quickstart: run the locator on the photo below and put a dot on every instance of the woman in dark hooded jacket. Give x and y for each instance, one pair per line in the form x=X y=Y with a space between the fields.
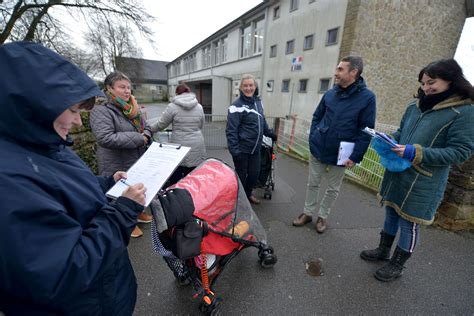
x=246 y=126
x=63 y=245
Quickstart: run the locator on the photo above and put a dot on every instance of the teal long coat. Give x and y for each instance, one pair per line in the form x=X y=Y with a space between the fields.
x=442 y=136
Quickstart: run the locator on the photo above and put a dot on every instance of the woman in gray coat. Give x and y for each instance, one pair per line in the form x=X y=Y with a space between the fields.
x=186 y=116
x=120 y=129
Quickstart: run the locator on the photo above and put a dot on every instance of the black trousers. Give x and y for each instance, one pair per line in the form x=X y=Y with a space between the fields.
x=247 y=167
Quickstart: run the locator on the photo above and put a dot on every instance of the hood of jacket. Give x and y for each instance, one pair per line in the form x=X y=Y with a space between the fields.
x=358 y=85
x=186 y=100
x=37 y=86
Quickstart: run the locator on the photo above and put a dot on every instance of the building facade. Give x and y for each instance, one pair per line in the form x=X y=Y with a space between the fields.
x=292 y=47
x=149 y=78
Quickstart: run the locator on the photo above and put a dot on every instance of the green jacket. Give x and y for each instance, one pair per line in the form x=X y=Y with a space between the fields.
x=442 y=136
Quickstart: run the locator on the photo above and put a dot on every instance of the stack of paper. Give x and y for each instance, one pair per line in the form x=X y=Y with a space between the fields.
x=382 y=136
x=152 y=169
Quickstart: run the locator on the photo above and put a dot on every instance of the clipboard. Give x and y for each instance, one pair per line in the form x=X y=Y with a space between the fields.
x=152 y=169
x=382 y=136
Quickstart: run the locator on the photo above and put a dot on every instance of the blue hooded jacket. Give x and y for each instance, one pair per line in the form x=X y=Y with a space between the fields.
x=63 y=247
x=340 y=116
x=246 y=125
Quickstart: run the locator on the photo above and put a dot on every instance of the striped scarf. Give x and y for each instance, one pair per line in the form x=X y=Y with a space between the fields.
x=130 y=109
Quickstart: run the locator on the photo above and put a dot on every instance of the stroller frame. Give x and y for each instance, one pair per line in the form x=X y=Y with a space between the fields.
x=196 y=272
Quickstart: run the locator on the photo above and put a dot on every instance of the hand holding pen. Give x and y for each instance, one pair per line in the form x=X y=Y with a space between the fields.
x=135 y=192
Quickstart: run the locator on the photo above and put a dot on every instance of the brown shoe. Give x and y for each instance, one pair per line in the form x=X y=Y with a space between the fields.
x=321 y=225
x=144 y=218
x=137 y=232
x=302 y=219
x=254 y=200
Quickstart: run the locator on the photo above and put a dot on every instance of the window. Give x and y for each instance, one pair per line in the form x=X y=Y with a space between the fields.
x=285 y=85
x=224 y=49
x=270 y=85
x=186 y=65
x=293 y=5
x=258 y=36
x=303 y=85
x=245 y=41
x=219 y=54
x=276 y=12
x=192 y=62
x=332 y=36
x=290 y=47
x=216 y=53
x=324 y=85
x=178 y=68
x=206 y=56
x=308 y=42
x=273 y=51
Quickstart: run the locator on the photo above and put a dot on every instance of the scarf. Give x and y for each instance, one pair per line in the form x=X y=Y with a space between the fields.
x=130 y=109
x=427 y=102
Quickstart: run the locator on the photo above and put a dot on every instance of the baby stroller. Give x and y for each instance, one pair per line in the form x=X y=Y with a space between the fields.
x=267 y=168
x=203 y=222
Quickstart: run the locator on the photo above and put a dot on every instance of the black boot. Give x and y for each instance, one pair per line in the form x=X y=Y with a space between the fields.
x=393 y=269
x=382 y=253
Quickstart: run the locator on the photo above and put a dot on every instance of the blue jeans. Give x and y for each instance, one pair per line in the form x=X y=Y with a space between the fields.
x=409 y=231
x=247 y=167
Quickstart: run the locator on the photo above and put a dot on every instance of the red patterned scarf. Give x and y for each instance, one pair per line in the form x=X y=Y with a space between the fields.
x=130 y=109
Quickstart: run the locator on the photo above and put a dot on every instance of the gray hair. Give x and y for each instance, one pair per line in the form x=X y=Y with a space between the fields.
x=355 y=62
x=246 y=77
x=113 y=77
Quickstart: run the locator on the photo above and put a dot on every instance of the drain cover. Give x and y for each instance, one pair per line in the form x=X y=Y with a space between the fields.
x=314 y=267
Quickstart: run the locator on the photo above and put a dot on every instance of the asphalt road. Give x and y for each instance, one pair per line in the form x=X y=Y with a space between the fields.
x=438 y=278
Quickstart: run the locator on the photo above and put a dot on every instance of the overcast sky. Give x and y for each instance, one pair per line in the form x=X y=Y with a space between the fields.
x=181 y=24
x=465 y=51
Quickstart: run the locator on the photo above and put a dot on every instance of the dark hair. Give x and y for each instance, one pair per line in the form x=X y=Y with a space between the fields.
x=113 y=77
x=182 y=88
x=448 y=70
x=355 y=62
x=87 y=104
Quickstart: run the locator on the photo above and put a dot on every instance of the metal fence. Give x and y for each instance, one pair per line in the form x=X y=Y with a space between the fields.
x=293 y=135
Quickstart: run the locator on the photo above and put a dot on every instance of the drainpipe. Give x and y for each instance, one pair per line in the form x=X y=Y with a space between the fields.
x=291 y=98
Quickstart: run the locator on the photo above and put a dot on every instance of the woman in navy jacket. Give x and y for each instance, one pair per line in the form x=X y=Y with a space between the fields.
x=246 y=126
x=63 y=245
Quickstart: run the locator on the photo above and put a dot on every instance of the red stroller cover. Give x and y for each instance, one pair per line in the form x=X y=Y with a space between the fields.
x=214 y=187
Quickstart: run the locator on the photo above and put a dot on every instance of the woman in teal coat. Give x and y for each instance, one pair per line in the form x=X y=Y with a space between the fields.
x=436 y=131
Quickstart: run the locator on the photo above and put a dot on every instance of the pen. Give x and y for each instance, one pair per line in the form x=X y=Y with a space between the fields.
x=124 y=182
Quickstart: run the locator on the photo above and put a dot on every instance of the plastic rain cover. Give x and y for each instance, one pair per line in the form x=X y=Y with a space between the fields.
x=220 y=200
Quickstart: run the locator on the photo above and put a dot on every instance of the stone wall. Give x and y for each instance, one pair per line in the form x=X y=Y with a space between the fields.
x=397 y=38
x=456 y=212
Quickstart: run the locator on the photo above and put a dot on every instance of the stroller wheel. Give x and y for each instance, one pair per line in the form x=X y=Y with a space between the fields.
x=273 y=186
x=210 y=309
x=267 y=258
x=267 y=196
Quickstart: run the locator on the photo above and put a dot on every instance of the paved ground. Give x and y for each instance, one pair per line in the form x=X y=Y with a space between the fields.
x=438 y=278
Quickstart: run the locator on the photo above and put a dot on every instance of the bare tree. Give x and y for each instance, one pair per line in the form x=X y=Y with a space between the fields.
x=110 y=40
x=110 y=25
x=29 y=20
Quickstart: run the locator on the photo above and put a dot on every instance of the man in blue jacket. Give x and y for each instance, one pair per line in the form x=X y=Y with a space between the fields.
x=63 y=246
x=341 y=115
